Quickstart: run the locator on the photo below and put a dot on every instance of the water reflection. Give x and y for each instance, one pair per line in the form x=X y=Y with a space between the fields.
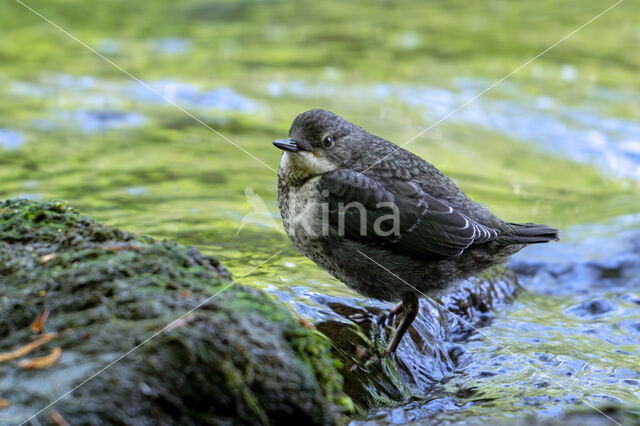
x=189 y=95
x=11 y=139
x=90 y=121
x=171 y=46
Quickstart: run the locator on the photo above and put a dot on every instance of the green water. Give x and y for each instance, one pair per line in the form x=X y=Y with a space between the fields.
x=79 y=129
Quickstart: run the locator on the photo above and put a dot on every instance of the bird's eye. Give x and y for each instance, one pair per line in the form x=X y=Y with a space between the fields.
x=327 y=141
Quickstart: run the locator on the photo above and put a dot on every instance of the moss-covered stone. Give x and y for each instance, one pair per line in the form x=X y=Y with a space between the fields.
x=237 y=357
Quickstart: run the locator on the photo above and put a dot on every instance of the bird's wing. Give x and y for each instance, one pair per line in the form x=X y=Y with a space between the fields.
x=398 y=215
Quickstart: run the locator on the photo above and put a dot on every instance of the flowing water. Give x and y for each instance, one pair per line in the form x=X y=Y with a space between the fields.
x=558 y=143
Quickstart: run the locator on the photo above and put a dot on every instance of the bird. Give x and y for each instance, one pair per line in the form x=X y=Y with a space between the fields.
x=384 y=221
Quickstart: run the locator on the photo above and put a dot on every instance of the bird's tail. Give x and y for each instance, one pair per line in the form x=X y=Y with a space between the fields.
x=528 y=233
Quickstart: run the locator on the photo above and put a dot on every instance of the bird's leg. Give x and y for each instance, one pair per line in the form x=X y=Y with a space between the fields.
x=410 y=306
x=395 y=310
x=389 y=316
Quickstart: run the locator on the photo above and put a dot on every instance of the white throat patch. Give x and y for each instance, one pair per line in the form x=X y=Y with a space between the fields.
x=306 y=163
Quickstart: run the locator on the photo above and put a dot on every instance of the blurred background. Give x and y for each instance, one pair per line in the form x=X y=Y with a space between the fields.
x=558 y=142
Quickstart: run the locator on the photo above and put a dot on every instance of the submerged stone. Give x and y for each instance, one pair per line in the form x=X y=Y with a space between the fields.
x=117 y=303
x=592 y=308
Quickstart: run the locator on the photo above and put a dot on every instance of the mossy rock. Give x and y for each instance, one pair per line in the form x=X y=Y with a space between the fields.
x=236 y=358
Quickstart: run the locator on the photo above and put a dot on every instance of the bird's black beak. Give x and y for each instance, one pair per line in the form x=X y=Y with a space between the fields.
x=286 y=145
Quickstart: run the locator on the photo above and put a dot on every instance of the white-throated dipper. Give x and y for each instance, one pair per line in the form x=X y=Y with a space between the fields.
x=383 y=220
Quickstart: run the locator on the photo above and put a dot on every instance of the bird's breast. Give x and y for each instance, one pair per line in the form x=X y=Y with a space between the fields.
x=304 y=212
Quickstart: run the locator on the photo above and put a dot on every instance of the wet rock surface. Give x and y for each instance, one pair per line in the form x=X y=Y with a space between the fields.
x=428 y=354
x=238 y=358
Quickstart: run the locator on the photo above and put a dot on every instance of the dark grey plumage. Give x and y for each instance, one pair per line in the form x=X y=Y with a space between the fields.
x=441 y=236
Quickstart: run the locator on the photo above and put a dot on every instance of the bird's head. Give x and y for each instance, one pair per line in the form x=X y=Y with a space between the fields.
x=319 y=142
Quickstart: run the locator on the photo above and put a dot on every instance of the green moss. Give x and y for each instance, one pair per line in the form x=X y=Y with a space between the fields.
x=239 y=356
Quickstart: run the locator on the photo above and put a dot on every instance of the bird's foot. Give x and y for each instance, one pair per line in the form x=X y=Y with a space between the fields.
x=387 y=318
x=410 y=311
